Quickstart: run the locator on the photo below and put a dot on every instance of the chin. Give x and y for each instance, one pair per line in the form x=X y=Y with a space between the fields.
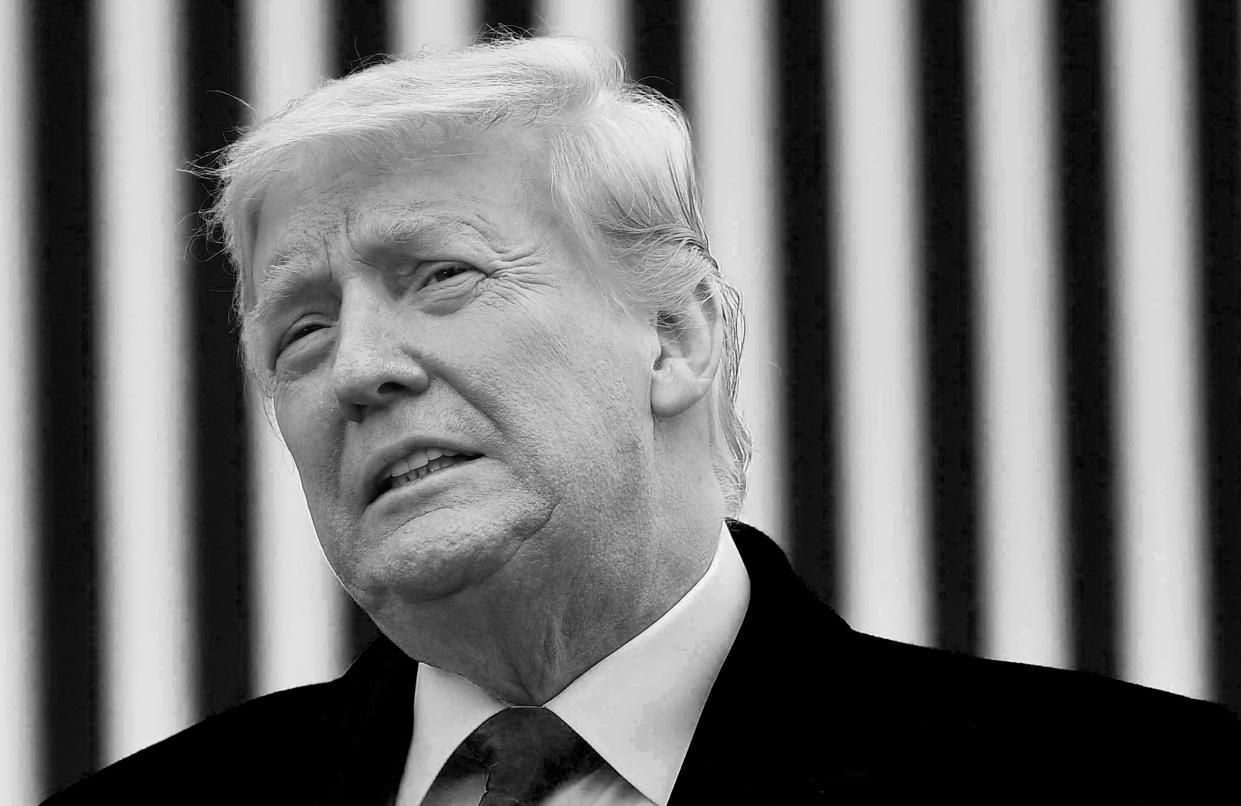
x=436 y=556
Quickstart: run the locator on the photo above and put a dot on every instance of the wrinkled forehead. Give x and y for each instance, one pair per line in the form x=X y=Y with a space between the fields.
x=486 y=184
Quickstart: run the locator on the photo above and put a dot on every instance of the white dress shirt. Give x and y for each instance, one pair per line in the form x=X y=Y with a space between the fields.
x=637 y=707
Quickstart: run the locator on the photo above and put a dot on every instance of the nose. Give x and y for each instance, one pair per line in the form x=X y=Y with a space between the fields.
x=374 y=365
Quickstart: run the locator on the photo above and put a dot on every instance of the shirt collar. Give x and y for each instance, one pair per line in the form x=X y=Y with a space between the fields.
x=637 y=707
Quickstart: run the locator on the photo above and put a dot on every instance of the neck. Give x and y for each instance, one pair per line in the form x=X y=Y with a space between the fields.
x=526 y=643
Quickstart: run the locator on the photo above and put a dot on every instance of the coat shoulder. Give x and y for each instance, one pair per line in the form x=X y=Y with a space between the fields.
x=1051 y=728
x=982 y=690
x=249 y=745
x=870 y=719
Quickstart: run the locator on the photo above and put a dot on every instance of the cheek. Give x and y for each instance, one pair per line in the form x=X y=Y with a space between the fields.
x=560 y=374
x=601 y=391
x=609 y=364
x=309 y=425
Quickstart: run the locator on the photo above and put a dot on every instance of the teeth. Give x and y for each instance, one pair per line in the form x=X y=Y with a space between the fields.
x=417 y=459
x=424 y=470
x=420 y=463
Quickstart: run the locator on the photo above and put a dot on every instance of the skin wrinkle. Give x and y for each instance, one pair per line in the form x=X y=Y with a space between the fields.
x=415 y=225
x=418 y=224
x=294 y=276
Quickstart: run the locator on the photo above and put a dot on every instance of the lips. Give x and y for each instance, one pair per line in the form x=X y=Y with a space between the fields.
x=411 y=461
x=435 y=465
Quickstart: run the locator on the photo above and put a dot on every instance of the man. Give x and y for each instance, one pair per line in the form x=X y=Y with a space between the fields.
x=477 y=292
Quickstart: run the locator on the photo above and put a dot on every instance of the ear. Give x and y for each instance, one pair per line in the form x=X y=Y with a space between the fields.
x=690 y=346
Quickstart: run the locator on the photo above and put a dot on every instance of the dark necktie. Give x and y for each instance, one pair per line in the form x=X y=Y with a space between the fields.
x=527 y=752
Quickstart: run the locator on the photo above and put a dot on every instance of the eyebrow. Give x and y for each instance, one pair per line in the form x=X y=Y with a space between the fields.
x=281 y=282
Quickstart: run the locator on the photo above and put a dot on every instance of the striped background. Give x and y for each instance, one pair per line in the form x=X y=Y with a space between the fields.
x=990 y=253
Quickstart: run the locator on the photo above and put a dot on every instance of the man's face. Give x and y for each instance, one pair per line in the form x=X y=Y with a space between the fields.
x=437 y=306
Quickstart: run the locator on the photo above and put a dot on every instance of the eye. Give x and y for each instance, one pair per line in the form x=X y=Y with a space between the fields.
x=443 y=272
x=303 y=331
x=299 y=332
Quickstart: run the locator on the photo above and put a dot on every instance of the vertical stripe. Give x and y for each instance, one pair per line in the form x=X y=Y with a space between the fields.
x=1161 y=545
x=517 y=15
x=301 y=635
x=1219 y=188
x=1084 y=247
x=1021 y=399
x=605 y=21
x=220 y=442
x=440 y=23
x=19 y=698
x=882 y=512
x=64 y=394
x=360 y=34
x=142 y=341
x=732 y=83
x=945 y=245
x=802 y=116
x=657 y=46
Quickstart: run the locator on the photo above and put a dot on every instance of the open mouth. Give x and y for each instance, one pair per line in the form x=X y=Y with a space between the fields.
x=418 y=466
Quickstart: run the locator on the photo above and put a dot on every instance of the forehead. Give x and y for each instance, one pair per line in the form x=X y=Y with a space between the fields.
x=491 y=185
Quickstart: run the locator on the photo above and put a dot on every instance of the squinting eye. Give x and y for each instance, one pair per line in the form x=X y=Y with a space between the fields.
x=447 y=273
x=300 y=333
